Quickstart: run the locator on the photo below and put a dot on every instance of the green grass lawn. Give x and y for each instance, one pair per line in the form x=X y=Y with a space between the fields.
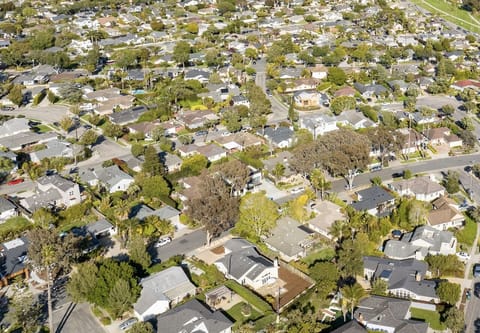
x=431 y=317
x=467 y=234
x=236 y=313
x=456 y=15
x=249 y=296
x=13 y=227
x=43 y=128
x=322 y=255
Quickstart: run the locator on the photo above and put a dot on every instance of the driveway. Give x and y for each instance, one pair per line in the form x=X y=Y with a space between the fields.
x=76 y=318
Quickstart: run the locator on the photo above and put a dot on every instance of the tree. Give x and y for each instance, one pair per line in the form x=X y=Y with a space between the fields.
x=25 y=311
x=353 y=294
x=385 y=142
x=71 y=93
x=451 y=183
x=344 y=152
x=236 y=174
x=454 y=319
x=349 y=261
x=153 y=226
x=448 y=292
x=319 y=181
x=113 y=130
x=379 y=287
x=194 y=165
x=43 y=218
x=88 y=138
x=214 y=208
x=336 y=76
x=258 y=215
x=232 y=120
x=326 y=275
x=141 y=327
x=467 y=124
x=155 y=187
x=448 y=109
x=278 y=171
x=51 y=254
x=342 y=103
x=16 y=95
x=296 y=208
x=181 y=52
x=66 y=123
x=109 y=284
x=137 y=149
x=138 y=252
x=152 y=166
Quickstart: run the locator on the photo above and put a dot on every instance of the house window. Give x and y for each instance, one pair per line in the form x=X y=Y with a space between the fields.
x=71 y=193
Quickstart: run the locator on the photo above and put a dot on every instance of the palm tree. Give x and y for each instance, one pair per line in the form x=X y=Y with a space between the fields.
x=337 y=229
x=48 y=254
x=319 y=182
x=122 y=210
x=352 y=294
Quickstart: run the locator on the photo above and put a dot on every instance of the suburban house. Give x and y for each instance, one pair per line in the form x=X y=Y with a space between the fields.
x=239 y=141
x=308 y=98
x=442 y=136
x=405 y=278
x=166 y=212
x=54 y=148
x=112 y=178
x=290 y=239
x=318 y=124
x=386 y=314
x=101 y=228
x=445 y=214
x=144 y=127
x=7 y=209
x=412 y=140
x=161 y=291
x=21 y=140
x=14 y=126
x=196 y=119
x=244 y=264
x=171 y=161
x=12 y=260
x=53 y=191
x=354 y=119
x=352 y=326
x=280 y=137
x=422 y=241
x=422 y=188
x=374 y=200
x=105 y=101
x=193 y=317
x=326 y=213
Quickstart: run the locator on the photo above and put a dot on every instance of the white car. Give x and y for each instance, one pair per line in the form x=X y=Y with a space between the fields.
x=463 y=256
x=163 y=241
x=297 y=190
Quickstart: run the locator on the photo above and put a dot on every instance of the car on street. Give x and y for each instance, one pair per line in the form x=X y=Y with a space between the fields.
x=127 y=324
x=463 y=256
x=468 y=293
x=163 y=241
x=476 y=270
x=8 y=108
x=201 y=133
x=15 y=181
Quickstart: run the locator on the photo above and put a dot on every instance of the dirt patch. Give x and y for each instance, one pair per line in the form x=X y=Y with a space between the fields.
x=218 y=250
x=294 y=285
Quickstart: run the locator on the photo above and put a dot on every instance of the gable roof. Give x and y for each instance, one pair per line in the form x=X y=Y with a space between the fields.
x=371 y=197
x=165 y=285
x=192 y=317
x=243 y=259
x=418 y=185
x=288 y=237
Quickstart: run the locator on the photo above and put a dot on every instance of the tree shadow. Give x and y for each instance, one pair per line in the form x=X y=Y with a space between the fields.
x=65 y=317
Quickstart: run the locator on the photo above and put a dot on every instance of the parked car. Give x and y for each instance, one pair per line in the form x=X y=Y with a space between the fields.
x=15 y=181
x=127 y=324
x=297 y=190
x=468 y=293
x=163 y=241
x=476 y=270
x=201 y=133
x=463 y=256
x=8 y=108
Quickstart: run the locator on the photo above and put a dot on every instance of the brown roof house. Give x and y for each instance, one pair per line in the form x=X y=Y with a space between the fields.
x=422 y=188
x=442 y=136
x=326 y=213
x=445 y=214
x=196 y=119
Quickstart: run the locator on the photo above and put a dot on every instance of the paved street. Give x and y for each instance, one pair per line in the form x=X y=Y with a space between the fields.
x=76 y=318
x=27 y=185
x=445 y=163
x=47 y=114
x=182 y=245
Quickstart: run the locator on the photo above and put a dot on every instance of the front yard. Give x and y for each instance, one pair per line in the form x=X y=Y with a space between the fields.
x=431 y=317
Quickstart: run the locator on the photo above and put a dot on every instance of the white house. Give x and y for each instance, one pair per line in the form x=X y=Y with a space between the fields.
x=422 y=188
x=244 y=264
x=161 y=291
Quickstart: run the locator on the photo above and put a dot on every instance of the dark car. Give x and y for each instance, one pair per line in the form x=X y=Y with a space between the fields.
x=476 y=270
x=201 y=133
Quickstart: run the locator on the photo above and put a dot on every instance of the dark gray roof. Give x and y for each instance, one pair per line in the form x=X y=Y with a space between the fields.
x=99 y=227
x=288 y=237
x=402 y=274
x=388 y=312
x=187 y=318
x=10 y=253
x=277 y=135
x=5 y=205
x=57 y=181
x=127 y=116
x=243 y=259
x=371 y=198
x=351 y=327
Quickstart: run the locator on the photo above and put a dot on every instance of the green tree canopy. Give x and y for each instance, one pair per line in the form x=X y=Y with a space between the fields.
x=448 y=292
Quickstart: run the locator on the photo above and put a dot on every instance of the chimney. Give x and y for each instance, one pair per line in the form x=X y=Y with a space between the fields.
x=275 y=262
x=418 y=276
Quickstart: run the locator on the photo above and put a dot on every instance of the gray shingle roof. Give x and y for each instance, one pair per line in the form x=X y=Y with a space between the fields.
x=371 y=198
x=190 y=317
x=287 y=237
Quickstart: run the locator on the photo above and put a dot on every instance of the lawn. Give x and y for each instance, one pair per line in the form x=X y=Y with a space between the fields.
x=451 y=12
x=236 y=313
x=322 y=255
x=467 y=234
x=431 y=317
x=43 y=128
x=13 y=227
x=249 y=296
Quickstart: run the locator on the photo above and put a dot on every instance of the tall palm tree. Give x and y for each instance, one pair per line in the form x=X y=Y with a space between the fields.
x=353 y=294
x=48 y=254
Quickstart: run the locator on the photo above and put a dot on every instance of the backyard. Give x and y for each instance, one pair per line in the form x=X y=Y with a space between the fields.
x=431 y=317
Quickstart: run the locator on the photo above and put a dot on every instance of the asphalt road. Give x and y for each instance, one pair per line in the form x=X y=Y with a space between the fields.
x=27 y=185
x=446 y=163
x=47 y=114
x=182 y=245
x=76 y=318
